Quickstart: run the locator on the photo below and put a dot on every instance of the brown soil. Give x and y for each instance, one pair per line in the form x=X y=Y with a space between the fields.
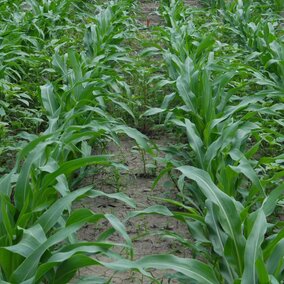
x=193 y=3
x=148 y=13
x=141 y=229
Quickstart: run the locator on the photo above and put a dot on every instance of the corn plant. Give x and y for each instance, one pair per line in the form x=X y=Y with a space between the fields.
x=37 y=224
x=220 y=126
x=36 y=217
x=223 y=86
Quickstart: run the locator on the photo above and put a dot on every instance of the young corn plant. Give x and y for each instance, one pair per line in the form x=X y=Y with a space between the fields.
x=229 y=198
x=37 y=224
x=25 y=56
x=228 y=206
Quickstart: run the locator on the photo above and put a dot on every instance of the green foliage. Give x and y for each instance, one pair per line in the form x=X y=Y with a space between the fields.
x=37 y=225
x=221 y=108
x=71 y=76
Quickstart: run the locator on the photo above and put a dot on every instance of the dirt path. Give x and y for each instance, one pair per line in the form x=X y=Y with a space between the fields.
x=148 y=11
x=142 y=229
x=193 y=3
x=139 y=188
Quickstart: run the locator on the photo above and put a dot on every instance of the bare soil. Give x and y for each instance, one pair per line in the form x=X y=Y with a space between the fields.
x=148 y=11
x=141 y=229
x=193 y=3
x=144 y=231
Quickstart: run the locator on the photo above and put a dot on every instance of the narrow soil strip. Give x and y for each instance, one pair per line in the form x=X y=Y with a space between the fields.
x=141 y=229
